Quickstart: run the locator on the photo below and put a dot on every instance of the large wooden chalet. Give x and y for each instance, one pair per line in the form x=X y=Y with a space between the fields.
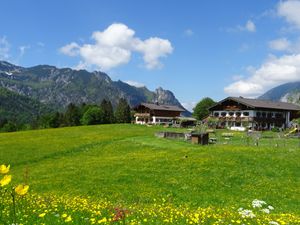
x=239 y=112
x=154 y=113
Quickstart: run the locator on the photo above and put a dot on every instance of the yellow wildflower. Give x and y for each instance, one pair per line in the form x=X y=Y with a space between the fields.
x=104 y=220
x=4 y=169
x=42 y=215
x=68 y=219
x=21 y=189
x=5 y=180
x=64 y=215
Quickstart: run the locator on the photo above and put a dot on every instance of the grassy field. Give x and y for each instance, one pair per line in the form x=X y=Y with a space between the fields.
x=127 y=164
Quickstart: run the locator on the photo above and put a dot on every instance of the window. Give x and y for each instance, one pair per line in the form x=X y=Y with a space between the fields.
x=231 y=113
x=258 y=114
x=216 y=114
x=270 y=115
x=246 y=113
x=263 y=114
x=238 y=114
x=223 y=114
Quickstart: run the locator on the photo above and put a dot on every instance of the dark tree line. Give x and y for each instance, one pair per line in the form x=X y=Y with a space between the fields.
x=76 y=115
x=86 y=114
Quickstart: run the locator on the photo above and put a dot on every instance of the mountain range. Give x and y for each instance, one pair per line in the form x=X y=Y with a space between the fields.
x=57 y=87
x=289 y=92
x=36 y=90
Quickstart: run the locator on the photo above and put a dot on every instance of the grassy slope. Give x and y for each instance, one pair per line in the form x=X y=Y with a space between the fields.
x=126 y=163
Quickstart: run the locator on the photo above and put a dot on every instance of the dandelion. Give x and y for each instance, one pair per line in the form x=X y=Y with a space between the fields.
x=42 y=215
x=4 y=169
x=104 y=220
x=5 y=180
x=64 y=215
x=68 y=219
x=21 y=189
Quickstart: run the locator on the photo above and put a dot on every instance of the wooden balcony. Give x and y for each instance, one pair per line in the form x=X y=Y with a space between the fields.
x=251 y=119
x=235 y=119
x=142 y=115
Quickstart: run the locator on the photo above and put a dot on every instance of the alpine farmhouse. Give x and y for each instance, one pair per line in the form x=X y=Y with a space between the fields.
x=154 y=113
x=240 y=113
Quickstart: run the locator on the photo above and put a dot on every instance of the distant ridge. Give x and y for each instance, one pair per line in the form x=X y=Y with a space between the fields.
x=60 y=86
x=289 y=92
x=19 y=108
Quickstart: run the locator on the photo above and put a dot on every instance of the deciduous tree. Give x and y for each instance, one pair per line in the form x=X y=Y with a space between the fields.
x=201 y=109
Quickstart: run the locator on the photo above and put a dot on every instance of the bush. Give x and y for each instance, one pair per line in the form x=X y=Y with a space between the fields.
x=9 y=127
x=94 y=115
x=275 y=129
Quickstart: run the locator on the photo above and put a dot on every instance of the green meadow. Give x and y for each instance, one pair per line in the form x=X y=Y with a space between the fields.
x=127 y=164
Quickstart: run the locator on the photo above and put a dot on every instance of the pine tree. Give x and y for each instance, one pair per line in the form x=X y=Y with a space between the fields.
x=123 y=114
x=56 y=120
x=72 y=115
x=108 y=112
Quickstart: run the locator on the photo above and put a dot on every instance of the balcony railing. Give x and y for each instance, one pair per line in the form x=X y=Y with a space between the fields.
x=250 y=119
x=142 y=115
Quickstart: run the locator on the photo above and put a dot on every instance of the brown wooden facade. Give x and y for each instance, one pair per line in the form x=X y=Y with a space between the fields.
x=151 y=113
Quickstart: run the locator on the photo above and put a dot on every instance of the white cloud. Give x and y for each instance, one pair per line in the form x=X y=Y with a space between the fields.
x=281 y=44
x=237 y=77
x=273 y=72
x=71 y=49
x=113 y=47
x=290 y=11
x=189 y=105
x=135 y=83
x=4 y=48
x=188 y=33
x=153 y=49
x=23 y=50
x=250 y=26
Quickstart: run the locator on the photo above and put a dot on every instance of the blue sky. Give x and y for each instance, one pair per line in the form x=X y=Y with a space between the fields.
x=193 y=48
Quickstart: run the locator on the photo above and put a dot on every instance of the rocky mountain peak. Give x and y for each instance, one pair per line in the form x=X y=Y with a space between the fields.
x=289 y=92
x=8 y=68
x=59 y=87
x=163 y=96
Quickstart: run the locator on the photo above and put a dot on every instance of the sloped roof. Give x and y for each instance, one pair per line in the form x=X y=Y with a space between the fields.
x=154 y=106
x=257 y=103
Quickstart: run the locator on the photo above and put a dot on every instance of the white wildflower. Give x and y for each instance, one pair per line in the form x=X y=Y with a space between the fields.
x=273 y=223
x=246 y=213
x=270 y=207
x=258 y=203
x=265 y=211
